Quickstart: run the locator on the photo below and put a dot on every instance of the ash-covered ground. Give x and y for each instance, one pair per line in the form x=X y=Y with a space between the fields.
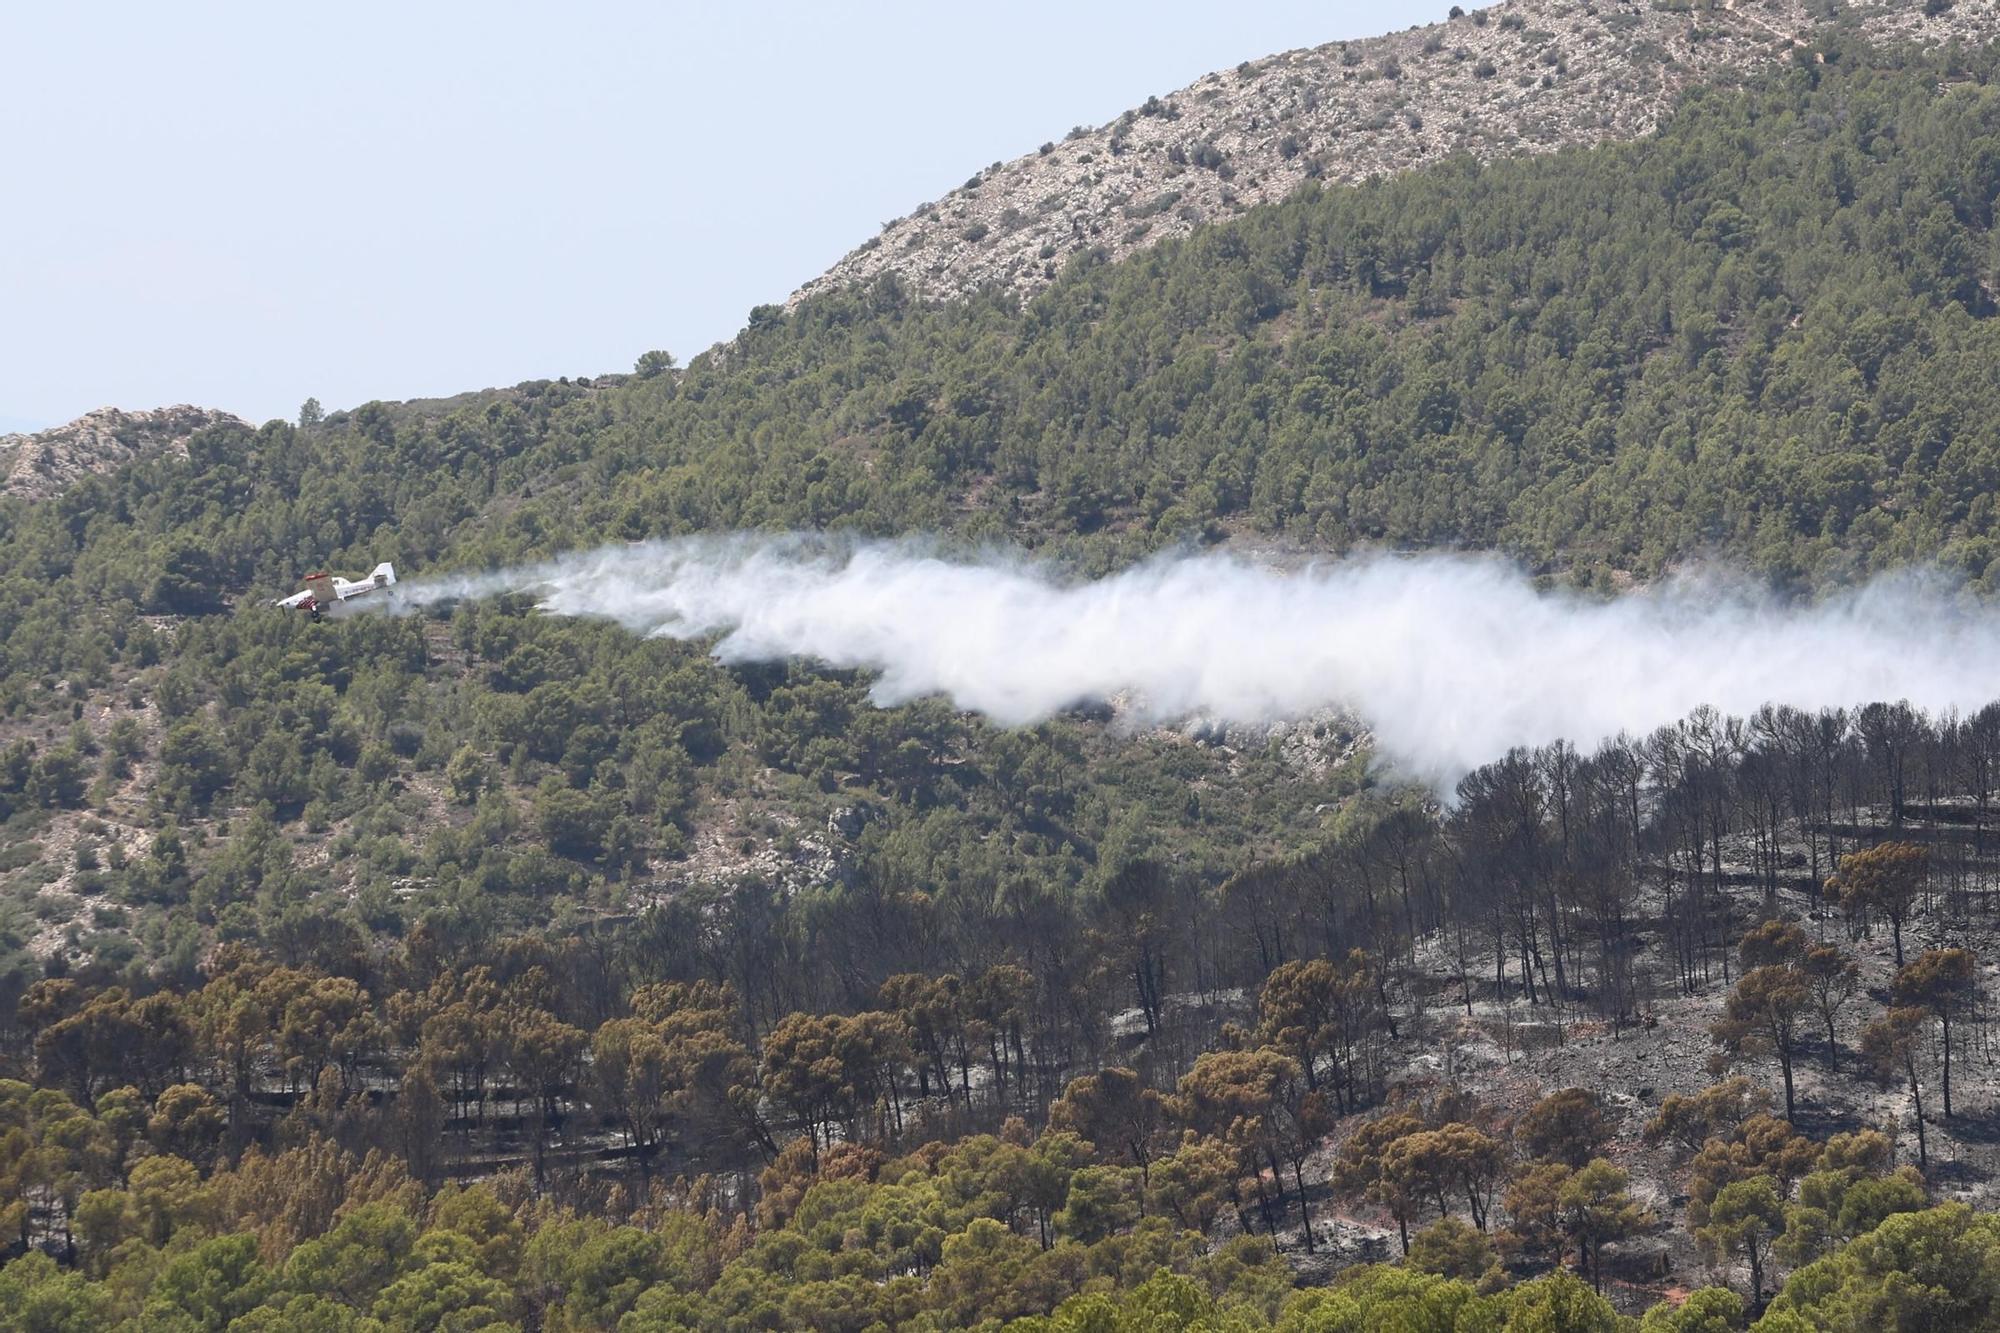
x=1509 y=1054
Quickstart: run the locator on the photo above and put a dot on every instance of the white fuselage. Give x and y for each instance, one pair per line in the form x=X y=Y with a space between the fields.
x=327 y=593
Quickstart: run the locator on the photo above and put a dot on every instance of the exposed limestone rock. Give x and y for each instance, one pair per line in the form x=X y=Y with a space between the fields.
x=44 y=464
x=1527 y=76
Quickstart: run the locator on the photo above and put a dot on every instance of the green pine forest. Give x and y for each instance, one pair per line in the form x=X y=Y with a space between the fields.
x=471 y=970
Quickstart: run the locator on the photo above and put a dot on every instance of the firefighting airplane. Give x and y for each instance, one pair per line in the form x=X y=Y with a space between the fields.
x=329 y=594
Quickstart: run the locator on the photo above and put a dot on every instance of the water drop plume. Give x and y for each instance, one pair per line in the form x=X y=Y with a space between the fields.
x=1450 y=659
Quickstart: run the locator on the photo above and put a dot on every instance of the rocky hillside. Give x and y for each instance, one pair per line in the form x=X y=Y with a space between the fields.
x=40 y=465
x=1527 y=76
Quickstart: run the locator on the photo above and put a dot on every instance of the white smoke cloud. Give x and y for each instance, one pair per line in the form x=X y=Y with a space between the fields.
x=1450 y=659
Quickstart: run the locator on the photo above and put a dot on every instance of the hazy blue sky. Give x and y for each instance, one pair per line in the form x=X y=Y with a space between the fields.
x=243 y=205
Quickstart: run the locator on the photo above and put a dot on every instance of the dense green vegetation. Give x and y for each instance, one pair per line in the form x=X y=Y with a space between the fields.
x=1763 y=333
x=327 y=920
x=1763 y=330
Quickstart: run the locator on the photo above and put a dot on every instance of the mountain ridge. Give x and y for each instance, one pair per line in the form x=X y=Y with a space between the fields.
x=1524 y=76
x=44 y=463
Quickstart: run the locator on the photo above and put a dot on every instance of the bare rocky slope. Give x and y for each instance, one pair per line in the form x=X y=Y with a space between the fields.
x=1526 y=76
x=42 y=464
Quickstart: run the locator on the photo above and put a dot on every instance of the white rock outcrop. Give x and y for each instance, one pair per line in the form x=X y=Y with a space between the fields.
x=47 y=462
x=1526 y=76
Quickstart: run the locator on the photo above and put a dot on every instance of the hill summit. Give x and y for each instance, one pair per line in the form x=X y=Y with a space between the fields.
x=46 y=462
x=1527 y=76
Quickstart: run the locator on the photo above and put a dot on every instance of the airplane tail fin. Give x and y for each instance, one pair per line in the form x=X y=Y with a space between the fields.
x=384 y=575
